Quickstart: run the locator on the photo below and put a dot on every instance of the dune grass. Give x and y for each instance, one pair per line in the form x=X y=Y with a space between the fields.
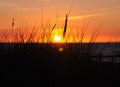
x=34 y=60
x=27 y=37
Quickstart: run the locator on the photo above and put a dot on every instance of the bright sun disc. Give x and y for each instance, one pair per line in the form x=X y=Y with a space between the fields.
x=57 y=38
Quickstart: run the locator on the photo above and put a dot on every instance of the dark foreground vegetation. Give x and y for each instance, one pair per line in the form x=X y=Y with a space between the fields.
x=59 y=65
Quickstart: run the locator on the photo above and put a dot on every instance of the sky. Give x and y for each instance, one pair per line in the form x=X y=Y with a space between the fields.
x=96 y=12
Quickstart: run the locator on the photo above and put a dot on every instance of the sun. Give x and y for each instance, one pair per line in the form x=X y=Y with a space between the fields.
x=57 y=38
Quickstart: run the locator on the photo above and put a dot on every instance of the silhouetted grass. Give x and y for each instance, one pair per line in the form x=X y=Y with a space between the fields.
x=30 y=61
x=42 y=64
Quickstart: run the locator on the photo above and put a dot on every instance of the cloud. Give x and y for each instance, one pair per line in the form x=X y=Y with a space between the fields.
x=7 y=4
x=43 y=0
x=83 y=16
x=27 y=9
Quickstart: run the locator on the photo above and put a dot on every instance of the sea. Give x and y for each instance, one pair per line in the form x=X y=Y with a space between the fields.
x=107 y=51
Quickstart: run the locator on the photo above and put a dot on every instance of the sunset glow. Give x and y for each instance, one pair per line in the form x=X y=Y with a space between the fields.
x=43 y=14
x=57 y=38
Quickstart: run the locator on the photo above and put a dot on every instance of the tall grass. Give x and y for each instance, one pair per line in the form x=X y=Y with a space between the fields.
x=38 y=35
x=65 y=26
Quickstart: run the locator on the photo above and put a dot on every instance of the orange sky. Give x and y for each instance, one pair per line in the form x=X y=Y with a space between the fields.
x=96 y=12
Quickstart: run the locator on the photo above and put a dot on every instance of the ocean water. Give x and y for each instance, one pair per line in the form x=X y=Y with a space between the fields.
x=108 y=51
